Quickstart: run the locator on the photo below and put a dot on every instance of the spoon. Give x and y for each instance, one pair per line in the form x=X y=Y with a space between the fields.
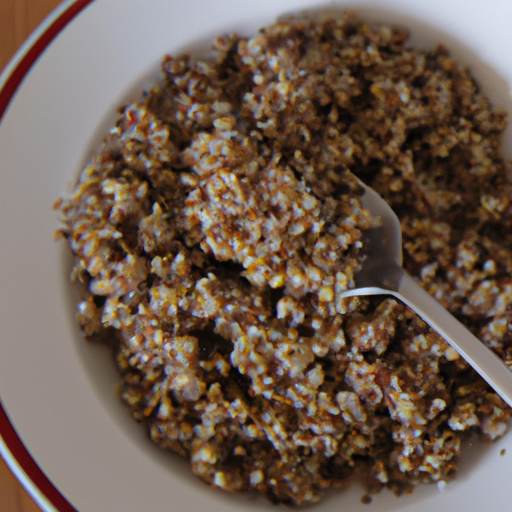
x=382 y=273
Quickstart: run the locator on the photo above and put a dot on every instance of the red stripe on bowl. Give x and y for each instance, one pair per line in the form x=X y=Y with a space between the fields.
x=29 y=465
x=7 y=431
x=35 y=51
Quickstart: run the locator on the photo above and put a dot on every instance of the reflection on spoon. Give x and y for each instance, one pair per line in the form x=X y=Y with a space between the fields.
x=382 y=273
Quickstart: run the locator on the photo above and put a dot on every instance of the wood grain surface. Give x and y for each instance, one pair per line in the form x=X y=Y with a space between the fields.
x=18 y=18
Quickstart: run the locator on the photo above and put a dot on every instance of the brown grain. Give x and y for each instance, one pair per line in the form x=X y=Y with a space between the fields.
x=219 y=224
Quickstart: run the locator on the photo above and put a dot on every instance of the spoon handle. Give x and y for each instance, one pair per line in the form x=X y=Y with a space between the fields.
x=483 y=360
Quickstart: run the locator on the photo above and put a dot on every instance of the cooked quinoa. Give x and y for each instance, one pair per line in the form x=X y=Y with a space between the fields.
x=218 y=224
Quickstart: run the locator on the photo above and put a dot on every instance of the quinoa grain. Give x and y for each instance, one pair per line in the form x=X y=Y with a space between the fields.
x=219 y=223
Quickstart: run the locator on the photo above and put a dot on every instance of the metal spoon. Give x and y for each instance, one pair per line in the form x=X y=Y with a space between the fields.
x=382 y=273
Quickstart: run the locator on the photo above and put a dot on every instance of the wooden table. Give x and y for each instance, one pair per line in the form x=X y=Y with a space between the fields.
x=18 y=18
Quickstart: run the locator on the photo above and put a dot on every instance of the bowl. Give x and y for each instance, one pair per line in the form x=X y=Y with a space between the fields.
x=63 y=430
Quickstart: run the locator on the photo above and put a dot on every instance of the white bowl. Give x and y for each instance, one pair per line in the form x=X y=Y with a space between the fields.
x=57 y=98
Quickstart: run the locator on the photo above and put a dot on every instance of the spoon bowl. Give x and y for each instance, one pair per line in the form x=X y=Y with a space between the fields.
x=382 y=274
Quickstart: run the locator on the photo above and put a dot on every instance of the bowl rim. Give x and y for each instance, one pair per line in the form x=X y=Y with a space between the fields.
x=12 y=449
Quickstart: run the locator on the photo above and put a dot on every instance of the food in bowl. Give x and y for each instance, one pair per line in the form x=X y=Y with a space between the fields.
x=219 y=222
